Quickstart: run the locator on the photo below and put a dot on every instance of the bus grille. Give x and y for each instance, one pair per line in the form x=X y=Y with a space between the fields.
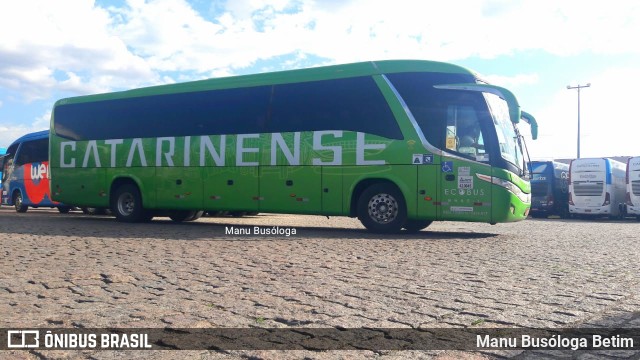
x=588 y=189
x=635 y=187
x=540 y=188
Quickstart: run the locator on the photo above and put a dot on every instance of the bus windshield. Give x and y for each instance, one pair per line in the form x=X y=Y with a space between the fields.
x=510 y=148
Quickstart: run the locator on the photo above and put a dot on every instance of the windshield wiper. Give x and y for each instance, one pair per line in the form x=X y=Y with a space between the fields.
x=527 y=160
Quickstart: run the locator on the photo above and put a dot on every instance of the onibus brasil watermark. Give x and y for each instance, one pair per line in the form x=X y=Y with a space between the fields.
x=33 y=339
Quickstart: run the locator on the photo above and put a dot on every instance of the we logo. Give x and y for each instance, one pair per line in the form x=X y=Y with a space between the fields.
x=39 y=171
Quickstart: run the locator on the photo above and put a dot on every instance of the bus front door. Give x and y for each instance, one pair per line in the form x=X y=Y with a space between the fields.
x=463 y=196
x=428 y=195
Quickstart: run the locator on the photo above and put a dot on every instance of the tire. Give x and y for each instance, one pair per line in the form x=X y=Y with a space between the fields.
x=126 y=204
x=186 y=215
x=382 y=209
x=537 y=215
x=64 y=209
x=94 y=211
x=413 y=226
x=18 y=204
x=197 y=215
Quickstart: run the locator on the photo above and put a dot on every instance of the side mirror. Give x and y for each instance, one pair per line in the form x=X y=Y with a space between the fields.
x=529 y=119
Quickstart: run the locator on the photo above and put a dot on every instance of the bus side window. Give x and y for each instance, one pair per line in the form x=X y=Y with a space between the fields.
x=33 y=151
x=353 y=104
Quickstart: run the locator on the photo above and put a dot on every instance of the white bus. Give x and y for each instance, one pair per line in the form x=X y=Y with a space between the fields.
x=596 y=187
x=632 y=203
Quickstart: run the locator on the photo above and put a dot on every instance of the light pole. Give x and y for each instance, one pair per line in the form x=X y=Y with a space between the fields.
x=578 y=88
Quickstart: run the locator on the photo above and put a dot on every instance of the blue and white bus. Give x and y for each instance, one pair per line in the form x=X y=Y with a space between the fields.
x=25 y=174
x=597 y=187
x=549 y=189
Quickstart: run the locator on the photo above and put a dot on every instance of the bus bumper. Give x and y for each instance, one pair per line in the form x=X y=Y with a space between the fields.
x=597 y=210
x=633 y=210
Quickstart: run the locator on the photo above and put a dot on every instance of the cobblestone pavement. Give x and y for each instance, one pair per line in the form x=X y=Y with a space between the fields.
x=90 y=271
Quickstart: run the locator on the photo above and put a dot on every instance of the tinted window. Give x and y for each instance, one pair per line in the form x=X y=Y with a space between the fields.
x=7 y=161
x=539 y=168
x=230 y=111
x=429 y=106
x=33 y=151
x=450 y=120
x=353 y=104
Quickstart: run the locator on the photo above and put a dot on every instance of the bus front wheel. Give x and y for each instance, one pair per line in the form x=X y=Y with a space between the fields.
x=18 y=203
x=382 y=209
x=127 y=204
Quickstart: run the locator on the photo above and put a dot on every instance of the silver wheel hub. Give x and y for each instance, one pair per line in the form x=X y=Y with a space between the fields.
x=383 y=208
x=126 y=204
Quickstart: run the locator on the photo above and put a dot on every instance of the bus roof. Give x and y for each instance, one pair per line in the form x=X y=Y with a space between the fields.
x=596 y=160
x=283 y=77
x=32 y=136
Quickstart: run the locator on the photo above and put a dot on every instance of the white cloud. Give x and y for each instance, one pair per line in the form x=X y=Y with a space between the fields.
x=9 y=133
x=80 y=47
x=40 y=39
x=77 y=47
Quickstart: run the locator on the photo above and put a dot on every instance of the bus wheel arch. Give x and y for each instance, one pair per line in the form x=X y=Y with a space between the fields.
x=18 y=202
x=381 y=207
x=126 y=201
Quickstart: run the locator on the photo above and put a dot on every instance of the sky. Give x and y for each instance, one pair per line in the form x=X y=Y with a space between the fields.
x=55 y=49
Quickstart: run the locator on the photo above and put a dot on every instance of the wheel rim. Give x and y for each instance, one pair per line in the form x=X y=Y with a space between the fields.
x=126 y=204
x=18 y=201
x=383 y=208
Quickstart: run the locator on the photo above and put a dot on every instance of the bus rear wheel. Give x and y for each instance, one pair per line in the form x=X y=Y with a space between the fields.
x=180 y=216
x=18 y=203
x=126 y=204
x=382 y=209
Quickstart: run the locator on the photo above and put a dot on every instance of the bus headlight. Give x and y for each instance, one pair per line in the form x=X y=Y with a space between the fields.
x=513 y=188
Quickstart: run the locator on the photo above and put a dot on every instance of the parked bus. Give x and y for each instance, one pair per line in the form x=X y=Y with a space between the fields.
x=549 y=189
x=25 y=174
x=398 y=144
x=596 y=187
x=632 y=200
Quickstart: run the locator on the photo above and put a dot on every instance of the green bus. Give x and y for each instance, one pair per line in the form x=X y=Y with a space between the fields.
x=396 y=143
